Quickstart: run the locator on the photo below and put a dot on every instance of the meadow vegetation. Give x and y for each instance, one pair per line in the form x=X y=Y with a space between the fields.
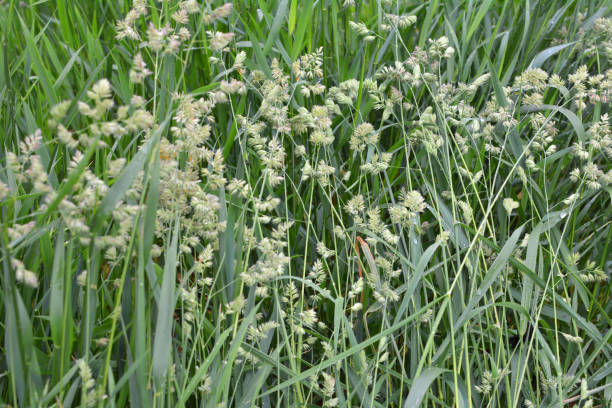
x=314 y=203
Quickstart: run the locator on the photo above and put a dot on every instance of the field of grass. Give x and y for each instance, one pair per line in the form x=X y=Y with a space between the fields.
x=313 y=203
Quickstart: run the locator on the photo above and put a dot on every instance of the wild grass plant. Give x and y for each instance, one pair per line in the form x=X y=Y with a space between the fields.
x=383 y=203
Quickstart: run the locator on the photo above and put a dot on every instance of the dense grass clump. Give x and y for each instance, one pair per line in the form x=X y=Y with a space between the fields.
x=382 y=203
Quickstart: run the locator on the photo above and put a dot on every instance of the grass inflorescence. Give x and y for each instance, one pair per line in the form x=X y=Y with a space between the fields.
x=324 y=203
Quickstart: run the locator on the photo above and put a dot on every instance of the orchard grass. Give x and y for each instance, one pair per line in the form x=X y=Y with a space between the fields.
x=330 y=203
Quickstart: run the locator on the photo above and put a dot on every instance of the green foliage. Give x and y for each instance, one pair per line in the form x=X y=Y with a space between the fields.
x=375 y=203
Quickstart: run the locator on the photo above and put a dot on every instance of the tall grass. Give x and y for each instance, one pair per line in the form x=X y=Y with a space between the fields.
x=306 y=203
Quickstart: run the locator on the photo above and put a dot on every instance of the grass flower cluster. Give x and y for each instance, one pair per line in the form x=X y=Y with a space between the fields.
x=306 y=203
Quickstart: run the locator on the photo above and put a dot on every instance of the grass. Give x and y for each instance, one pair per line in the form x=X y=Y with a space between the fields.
x=341 y=203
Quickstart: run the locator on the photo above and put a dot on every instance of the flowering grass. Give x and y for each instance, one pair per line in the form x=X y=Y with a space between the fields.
x=306 y=203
